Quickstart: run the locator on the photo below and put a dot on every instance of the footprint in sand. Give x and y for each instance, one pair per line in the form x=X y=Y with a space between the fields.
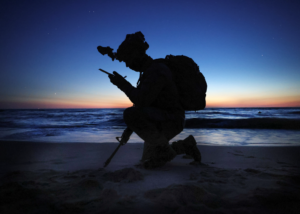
x=127 y=175
x=254 y=171
x=235 y=154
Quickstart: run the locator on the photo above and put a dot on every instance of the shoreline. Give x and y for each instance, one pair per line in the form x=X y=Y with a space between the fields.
x=212 y=136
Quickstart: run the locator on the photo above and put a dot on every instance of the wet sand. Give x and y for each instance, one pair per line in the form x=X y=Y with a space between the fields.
x=70 y=178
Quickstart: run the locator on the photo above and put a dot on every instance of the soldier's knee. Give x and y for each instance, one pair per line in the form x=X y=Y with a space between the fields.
x=130 y=114
x=127 y=114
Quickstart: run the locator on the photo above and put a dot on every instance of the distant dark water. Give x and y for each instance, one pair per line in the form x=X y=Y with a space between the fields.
x=32 y=124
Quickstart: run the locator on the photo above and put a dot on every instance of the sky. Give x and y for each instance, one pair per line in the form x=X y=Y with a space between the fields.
x=248 y=51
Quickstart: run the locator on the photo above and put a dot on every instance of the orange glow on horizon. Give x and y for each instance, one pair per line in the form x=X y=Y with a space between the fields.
x=61 y=104
x=66 y=105
x=116 y=102
x=231 y=102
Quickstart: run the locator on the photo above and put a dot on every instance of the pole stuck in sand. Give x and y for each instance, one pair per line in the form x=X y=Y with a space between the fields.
x=113 y=154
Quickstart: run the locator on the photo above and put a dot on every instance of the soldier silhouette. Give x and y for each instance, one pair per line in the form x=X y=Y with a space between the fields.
x=157 y=115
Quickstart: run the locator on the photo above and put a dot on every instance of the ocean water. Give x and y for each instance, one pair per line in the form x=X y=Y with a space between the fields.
x=103 y=125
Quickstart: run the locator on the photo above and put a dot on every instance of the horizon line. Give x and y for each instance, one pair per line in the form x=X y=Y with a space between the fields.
x=129 y=107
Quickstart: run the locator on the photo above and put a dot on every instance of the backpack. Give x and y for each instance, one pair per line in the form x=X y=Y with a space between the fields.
x=190 y=82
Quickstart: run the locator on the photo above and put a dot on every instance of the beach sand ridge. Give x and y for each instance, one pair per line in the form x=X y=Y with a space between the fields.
x=65 y=178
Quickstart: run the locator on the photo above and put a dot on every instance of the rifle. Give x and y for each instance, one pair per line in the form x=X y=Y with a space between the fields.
x=122 y=141
x=112 y=155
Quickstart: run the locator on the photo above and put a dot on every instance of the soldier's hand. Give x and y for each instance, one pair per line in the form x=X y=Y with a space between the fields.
x=116 y=79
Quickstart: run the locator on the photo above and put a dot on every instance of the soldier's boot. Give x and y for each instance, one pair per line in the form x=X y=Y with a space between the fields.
x=187 y=146
x=163 y=154
x=125 y=136
x=156 y=155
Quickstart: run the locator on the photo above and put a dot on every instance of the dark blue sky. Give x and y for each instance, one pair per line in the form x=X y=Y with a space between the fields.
x=249 y=51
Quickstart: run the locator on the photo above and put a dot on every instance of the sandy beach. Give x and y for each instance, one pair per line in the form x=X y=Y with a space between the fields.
x=70 y=178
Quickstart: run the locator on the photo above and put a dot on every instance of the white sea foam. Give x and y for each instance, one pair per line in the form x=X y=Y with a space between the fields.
x=103 y=125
